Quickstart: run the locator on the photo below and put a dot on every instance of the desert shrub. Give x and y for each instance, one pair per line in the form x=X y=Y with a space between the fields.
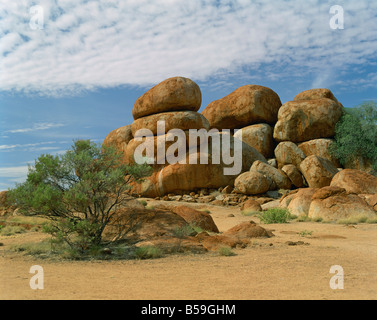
x=226 y=252
x=143 y=202
x=79 y=191
x=148 y=252
x=353 y=220
x=185 y=231
x=249 y=213
x=11 y=230
x=356 y=135
x=275 y=215
x=37 y=248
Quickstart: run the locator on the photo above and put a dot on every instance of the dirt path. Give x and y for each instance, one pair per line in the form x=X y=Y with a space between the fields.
x=268 y=269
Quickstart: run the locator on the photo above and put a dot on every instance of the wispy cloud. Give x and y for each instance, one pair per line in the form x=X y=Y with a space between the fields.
x=36 y=127
x=14 y=172
x=28 y=146
x=90 y=44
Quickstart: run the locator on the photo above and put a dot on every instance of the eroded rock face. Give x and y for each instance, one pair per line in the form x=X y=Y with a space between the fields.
x=318 y=172
x=334 y=203
x=173 y=94
x=304 y=120
x=355 y=181
x=245 y=106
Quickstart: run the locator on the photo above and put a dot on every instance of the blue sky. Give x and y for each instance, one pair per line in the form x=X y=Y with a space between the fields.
x=80 y=75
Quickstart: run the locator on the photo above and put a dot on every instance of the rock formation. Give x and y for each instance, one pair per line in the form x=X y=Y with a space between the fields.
x=284 y=147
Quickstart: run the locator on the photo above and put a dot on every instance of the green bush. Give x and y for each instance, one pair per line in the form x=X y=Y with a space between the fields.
x=275 y=215
x=356 y=135
x=226 y=252
x=148 y=252
x=80 y=191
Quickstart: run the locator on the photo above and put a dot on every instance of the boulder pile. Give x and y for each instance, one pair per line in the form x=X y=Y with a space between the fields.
x=285 y=147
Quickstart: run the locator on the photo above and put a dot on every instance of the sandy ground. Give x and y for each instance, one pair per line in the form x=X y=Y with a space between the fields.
x=268 y=269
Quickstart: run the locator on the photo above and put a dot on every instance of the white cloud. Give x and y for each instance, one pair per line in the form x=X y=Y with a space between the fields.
x=27 y=146
x=36 y=127
x=85 y=45
x=14 y=172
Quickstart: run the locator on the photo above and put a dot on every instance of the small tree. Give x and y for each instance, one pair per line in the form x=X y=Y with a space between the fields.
x=80 y=191
x=356 y=135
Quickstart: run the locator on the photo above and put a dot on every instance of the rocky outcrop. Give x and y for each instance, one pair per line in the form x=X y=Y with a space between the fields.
x=334 y=203
x=294 y=137
x=250 y=104
x=355 y=181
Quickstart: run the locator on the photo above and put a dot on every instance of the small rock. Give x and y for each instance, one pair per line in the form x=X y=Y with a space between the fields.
x=231 y=215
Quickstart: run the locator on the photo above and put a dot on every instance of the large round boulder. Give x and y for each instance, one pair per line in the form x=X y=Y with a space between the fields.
x=196 y=218
x=288 y=153
x=317 y=171
x=183 y=120
x=294 y=175
x=173 y=94
x=355 y=181
x=319 y=148
x=304 y=120
x=119 y=138
x=251 y=183
x=299 y=203
x=247 y=105
x=314 y=94
x=333 y=203
x=281 y=181
x=258 y=136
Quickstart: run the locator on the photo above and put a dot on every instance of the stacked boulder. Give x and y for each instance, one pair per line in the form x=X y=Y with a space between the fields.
x=303 y=132
x=252 y=108
x=176 y=102
x=284 y=147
